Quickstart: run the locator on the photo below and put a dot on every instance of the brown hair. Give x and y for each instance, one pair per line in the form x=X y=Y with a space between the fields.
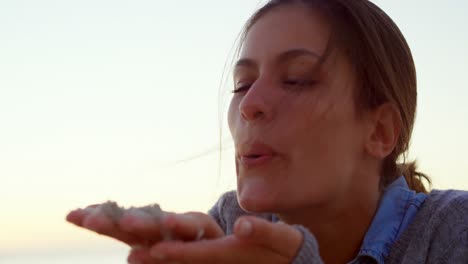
x=384 y=66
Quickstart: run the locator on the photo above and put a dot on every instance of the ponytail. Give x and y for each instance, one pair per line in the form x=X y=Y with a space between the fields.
x=391 y=170
x=414 y=178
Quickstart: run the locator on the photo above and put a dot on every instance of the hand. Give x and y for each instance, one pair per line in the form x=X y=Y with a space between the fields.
x=142 y=230
x=254 y=241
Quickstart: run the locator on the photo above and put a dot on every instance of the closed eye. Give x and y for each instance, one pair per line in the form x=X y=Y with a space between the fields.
x=242 y=88
x=298 y=82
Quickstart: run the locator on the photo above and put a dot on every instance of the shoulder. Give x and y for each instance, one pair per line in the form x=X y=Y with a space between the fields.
x=446 y=199
x=446 y=207
x=439 y=230
x=227 y=209
x=446 y=212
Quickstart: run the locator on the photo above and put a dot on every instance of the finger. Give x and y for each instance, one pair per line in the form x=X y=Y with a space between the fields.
x=226 y=250
x=204 y=251
x=143 y=226
x=76 y=216
x=279 y=237
x=140 y=255
x=102 y=225
x=192 y=226
x=188 y=226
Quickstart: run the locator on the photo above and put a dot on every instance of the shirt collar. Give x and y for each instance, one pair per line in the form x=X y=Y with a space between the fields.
x=391 y=220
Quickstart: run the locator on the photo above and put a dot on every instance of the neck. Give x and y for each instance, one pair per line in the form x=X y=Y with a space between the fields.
x=341 y=227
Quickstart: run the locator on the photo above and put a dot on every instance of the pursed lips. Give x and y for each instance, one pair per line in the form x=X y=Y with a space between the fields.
x=256 y=154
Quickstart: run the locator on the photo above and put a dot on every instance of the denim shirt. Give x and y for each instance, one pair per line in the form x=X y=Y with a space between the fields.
x=397 y=208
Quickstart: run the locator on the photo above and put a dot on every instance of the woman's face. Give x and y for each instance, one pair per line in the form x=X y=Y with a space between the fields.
x=297 y=137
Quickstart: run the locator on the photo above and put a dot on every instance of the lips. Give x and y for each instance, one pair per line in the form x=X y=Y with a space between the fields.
x=256 y=154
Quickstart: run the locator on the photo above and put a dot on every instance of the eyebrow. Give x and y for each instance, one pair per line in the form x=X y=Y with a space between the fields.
x=284 y=56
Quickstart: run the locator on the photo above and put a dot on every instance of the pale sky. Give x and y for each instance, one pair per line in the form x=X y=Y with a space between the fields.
x=104 y=99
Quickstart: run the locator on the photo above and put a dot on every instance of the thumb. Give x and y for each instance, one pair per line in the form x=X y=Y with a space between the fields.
x=279 y=237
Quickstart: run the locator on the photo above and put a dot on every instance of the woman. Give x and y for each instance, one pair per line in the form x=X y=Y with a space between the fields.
x=323 y=107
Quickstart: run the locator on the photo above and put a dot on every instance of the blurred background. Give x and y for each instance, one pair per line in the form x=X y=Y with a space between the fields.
x=118 y=100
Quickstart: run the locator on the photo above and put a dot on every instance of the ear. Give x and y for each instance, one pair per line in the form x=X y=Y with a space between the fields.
x=384 y=130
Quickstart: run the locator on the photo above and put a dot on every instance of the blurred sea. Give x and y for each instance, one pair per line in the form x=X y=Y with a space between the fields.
x=79 y=257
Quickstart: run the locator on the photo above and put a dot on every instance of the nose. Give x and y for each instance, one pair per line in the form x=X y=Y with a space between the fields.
x=254 y=105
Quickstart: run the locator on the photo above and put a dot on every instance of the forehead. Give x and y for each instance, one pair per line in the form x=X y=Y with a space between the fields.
x=286 y=28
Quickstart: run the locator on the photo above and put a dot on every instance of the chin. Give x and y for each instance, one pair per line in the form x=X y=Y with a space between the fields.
x=255 y=206
x=256 y=200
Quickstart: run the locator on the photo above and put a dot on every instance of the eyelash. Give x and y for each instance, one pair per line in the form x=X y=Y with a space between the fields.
x=241 y=89
x=296 y=83
x=299 y=82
